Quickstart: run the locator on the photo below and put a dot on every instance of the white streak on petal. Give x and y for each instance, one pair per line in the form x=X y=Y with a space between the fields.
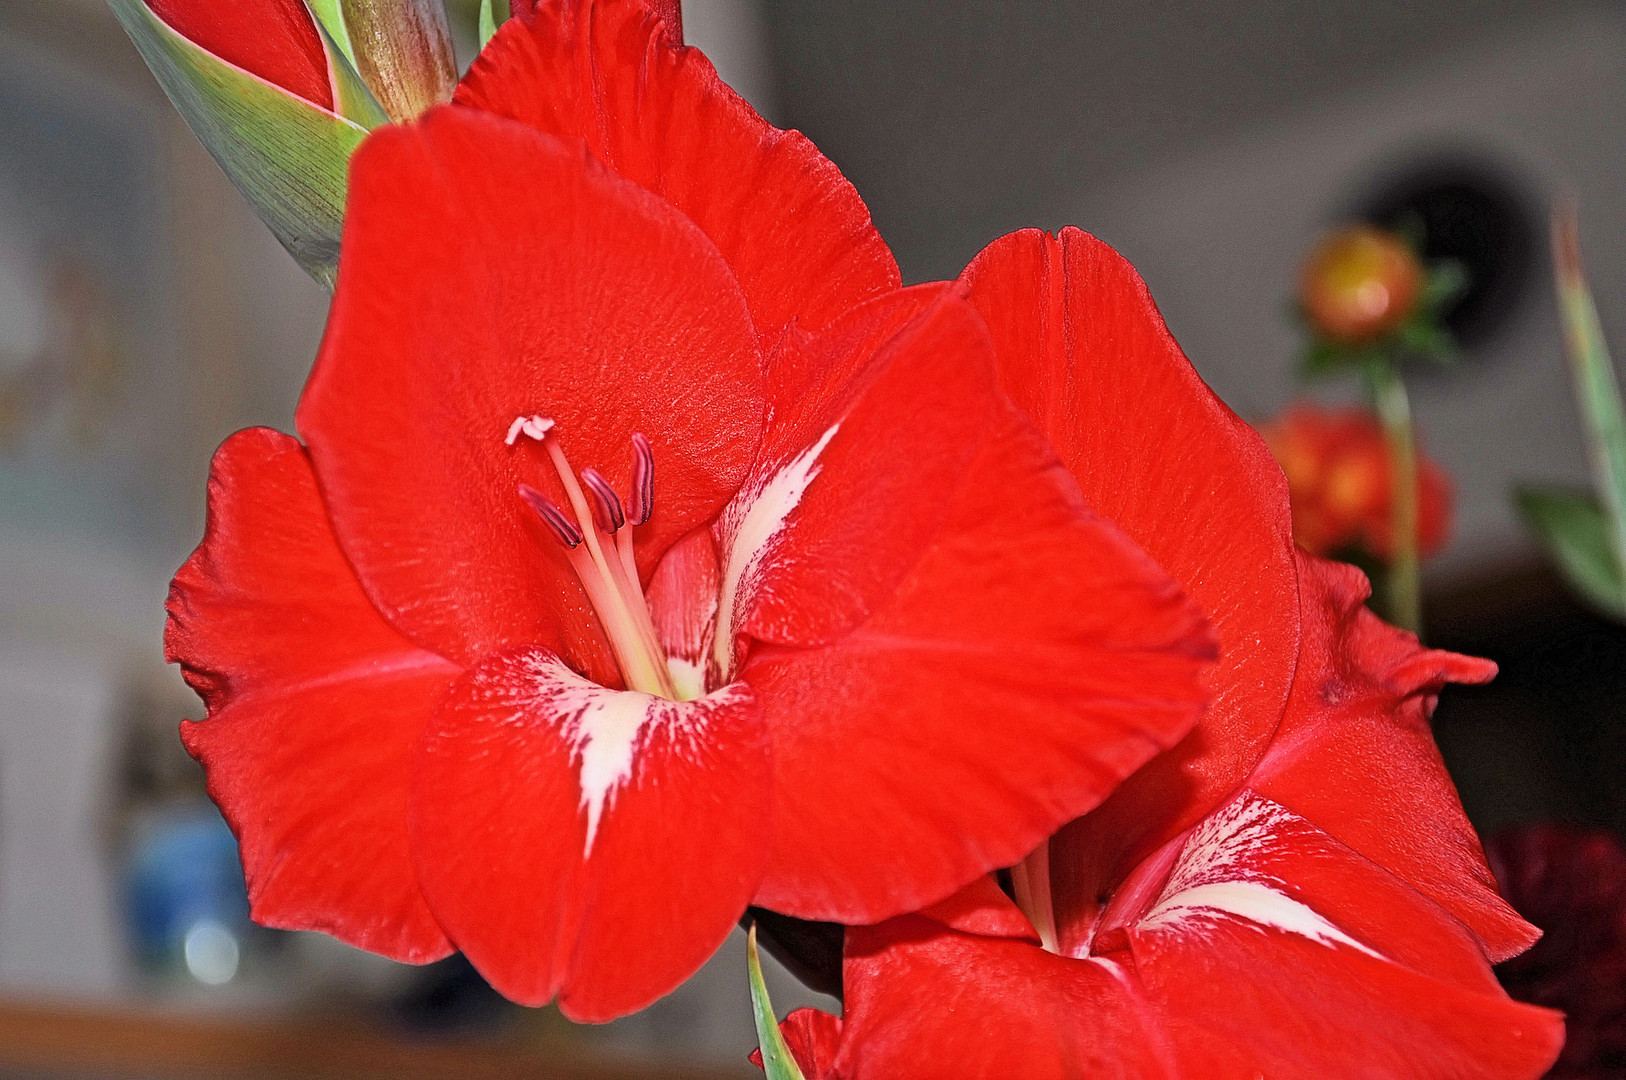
x=606 y=735
x=1251 y=900
x=605 y=729
x=1225 y=844
x=753 y=533
x=1219 y=873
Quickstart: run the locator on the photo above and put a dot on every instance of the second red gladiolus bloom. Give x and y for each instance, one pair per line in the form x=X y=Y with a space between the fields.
x=648 y=555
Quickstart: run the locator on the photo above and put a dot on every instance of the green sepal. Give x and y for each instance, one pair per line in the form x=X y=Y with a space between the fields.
x=1575 y=531
x=287 y=157
x=489 y=21
x=777 y=1061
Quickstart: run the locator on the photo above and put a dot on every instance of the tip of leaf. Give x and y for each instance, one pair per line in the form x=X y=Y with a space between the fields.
x=1566 y=236
x=777 y=1061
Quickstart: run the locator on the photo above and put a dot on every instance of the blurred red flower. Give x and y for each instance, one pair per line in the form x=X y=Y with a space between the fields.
x=1294 y=891
x=1571 y=883
x=822 y=625
x=1341 y=482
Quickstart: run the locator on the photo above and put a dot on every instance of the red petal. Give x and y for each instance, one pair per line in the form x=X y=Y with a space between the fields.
x=858 y=467
x=1026 y=664
x=315 y=704
x=590 y=843
x=1272 y=951
x=1083 y=350
x=682 y=598
x=1355 y=754
x=461 y=307
x=1349 y=971
x=812 y=1037
x=982 y=908
x=796 y=233
x=274 y=39
x=922 y=1003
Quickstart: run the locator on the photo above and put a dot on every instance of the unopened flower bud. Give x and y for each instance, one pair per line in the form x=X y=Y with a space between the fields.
x=1360 y=283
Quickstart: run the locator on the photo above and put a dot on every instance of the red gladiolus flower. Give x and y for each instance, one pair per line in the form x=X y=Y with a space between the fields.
x=1294 y=891
x=276 y=40
x=1341 y=482
x=648 y=554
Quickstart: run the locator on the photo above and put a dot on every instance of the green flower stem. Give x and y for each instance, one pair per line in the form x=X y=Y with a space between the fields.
x=1393 y=407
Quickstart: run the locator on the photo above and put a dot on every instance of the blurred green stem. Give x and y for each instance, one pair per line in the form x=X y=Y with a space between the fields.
x=1389 y=400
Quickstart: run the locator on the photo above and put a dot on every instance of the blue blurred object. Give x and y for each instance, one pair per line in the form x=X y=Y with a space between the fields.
x=185 y=902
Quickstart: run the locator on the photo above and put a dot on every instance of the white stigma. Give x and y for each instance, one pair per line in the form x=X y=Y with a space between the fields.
x=534 y=427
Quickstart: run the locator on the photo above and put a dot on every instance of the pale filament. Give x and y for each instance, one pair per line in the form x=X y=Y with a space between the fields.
x=1030 y=881
x=599 y=546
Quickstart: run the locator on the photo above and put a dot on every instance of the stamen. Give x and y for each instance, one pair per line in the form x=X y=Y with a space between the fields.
x=607 y=512
x=607 y=570
x=564 y=530
x=537 y=427
x=643 y=480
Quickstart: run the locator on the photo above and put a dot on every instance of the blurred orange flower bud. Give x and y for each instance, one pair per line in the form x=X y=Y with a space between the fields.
x=1341 y=482
x=1360 y=283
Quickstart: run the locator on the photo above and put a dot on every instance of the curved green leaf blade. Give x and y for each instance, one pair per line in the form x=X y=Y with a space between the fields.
x=287 y=157
x=490 y=19
x=1575 y=532
x=1597 y=392
x=777 y=1061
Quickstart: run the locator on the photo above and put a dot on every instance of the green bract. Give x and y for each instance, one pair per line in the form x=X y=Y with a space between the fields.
x=402 y=50
x=287 y=156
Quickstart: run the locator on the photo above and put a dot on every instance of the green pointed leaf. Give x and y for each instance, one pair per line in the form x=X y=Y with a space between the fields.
x=777 y=1061
x=490 y=19
x=287 y=156
x=1596 y=391
x=1573 y=528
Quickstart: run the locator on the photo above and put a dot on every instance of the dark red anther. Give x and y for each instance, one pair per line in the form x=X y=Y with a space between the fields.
x=607 y=513
x=643 y=480
x=564 y=530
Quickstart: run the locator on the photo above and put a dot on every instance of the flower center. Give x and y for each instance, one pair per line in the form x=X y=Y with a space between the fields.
x=597 y=537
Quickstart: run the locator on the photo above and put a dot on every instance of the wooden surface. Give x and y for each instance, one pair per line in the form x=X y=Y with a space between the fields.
x=75 y=1042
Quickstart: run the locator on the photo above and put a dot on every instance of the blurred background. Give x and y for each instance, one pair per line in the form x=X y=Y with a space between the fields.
x=145 y=314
